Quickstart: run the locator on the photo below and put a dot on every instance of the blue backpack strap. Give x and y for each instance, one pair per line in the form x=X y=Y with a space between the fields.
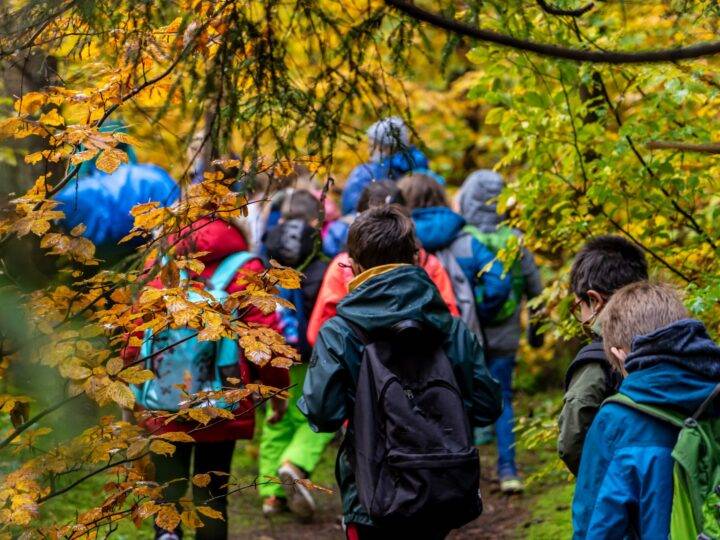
x=227 y=269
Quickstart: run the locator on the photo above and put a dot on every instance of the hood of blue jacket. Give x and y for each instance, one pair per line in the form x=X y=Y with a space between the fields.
x=478 y=199
x=677 y=366
x=437 y=227
x=404 y=293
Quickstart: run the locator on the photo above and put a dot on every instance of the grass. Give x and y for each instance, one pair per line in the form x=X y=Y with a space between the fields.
x=550 y=515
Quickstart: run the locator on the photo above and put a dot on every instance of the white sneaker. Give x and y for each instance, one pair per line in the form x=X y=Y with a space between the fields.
x=299 y=499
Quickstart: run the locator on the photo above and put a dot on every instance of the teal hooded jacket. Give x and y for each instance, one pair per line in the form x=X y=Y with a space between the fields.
x=403 y=293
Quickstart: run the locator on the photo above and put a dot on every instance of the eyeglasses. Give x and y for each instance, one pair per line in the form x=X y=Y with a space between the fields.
x=575 y=310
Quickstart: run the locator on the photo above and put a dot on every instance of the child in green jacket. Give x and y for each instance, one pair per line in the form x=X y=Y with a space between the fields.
x=604 y=265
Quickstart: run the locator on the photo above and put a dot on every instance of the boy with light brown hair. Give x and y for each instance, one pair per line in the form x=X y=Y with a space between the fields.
x=669 y=363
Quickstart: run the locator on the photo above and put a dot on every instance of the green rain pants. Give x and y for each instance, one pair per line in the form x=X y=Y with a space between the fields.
x=290 y=439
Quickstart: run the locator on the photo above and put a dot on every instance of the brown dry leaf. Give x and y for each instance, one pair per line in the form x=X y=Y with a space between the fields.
x=136 y=448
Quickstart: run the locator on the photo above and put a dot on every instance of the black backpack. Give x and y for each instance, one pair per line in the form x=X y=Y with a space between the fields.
x=414 y=458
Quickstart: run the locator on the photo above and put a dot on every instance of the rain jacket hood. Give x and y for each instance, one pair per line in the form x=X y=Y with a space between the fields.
x=477 y=199
x=391 y=167
x=437 y=227
x=405 y=292
x=676 y=366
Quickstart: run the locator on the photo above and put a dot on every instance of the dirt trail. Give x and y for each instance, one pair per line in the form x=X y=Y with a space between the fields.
x=501 y=519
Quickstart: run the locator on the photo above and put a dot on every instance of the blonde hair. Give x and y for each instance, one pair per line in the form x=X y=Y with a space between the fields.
x=635 y=310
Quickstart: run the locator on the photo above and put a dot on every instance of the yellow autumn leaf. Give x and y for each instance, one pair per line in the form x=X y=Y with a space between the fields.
x=35 y=157
x=199 y=415
x=201 y=480
x=136 y=376
x=52 y=118
x=74 y=371
x=281 y=362
x=176 y=436
x=210 y=512
x=83 y=156
x=111 y=159
x=114 y=365
x=191 y=520
x=121 y=394
x=167 y=518
x=158 y=446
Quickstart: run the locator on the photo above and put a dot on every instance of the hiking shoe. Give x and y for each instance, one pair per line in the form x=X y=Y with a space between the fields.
x=511 y=484
x=273 y=506
x=300 y=501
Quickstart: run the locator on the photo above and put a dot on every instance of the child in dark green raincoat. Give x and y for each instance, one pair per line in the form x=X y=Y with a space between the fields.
x=388 y=288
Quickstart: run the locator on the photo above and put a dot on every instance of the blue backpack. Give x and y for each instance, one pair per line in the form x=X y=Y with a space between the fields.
x=190 y=364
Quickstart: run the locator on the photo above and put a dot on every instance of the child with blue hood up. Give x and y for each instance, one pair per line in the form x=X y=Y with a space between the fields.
x=625 y=484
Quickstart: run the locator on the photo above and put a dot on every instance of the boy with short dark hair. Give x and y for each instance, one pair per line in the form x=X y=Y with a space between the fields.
x=625 y=483
x=604 y=265
x=389 y=290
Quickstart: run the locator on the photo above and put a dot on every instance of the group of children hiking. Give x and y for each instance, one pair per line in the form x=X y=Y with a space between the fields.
x=408 y=339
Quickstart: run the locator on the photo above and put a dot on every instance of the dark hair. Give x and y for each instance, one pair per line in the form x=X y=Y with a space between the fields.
x=382 y=235
x=422 y=191
x=605 y=264
x=379 y=194
x=300 y=204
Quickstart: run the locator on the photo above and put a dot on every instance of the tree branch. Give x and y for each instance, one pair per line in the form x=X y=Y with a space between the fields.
x=25 y=425
x=554 y=51
x=706 y=148
x=552 y=10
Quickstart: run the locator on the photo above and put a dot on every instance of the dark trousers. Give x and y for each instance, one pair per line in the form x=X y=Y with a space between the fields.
x=182 y=465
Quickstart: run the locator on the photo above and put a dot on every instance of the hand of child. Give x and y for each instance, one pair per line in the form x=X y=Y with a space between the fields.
x=278 y=408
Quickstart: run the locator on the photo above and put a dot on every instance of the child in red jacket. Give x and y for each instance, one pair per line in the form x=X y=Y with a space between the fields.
x=214 y=443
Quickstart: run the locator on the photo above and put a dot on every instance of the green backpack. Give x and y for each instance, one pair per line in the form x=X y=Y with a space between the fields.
x=496 y=241
x=696 y=473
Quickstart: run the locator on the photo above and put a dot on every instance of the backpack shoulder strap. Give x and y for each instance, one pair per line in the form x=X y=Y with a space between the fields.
x=359 y=332
x=227 y=269
x=708 y=401
x=673 y=418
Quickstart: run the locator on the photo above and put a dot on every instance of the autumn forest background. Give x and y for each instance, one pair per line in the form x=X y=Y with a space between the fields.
x=599 y=116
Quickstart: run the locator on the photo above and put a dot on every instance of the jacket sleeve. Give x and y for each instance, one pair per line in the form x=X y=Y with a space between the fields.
x=327 y=381
x=480 y=391
x=332 y=290
x=442 y=281
x=493 y=285
x=583 y=398
x=359 y=177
